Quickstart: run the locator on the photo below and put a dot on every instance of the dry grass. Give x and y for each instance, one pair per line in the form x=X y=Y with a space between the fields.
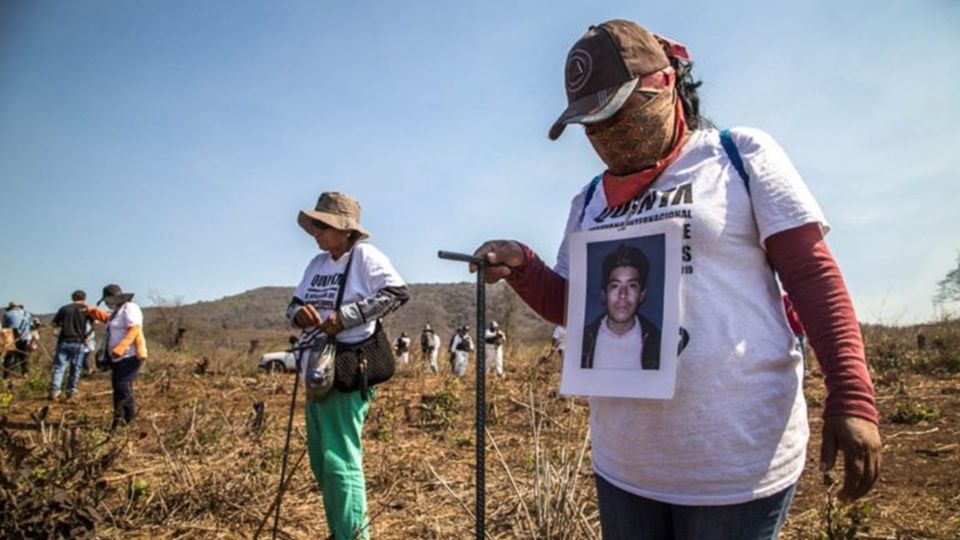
x=201 y=462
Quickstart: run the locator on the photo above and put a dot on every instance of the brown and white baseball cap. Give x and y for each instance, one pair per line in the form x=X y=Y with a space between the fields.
x=338 y=210
x=603 y=69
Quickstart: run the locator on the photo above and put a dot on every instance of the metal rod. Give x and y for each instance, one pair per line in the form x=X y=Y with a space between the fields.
x=481 y=399
x=481 y=264
x=286 y=450
x=462 y=257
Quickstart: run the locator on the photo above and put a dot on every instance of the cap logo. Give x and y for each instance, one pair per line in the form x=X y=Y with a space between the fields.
x=579 y=66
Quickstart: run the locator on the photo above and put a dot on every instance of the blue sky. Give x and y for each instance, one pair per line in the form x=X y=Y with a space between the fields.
x=167 y=146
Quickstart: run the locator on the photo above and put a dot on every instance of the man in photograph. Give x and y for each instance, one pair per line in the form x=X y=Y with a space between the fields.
x=621 y=338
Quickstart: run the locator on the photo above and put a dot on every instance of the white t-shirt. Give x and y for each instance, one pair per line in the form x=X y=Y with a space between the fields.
x=736 y=429
x=127 y=315
x=614 y=351
x=370 y=272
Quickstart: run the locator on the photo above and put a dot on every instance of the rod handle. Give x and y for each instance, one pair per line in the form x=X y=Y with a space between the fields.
x=462 y=257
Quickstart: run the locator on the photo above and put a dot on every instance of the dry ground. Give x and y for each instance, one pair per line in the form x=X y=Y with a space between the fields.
x=197 y=464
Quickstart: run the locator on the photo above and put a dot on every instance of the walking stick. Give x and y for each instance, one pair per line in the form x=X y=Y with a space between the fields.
x=481 y=264
x=286 y=445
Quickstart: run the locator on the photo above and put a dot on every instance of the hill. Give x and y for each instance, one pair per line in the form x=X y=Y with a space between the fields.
x=443 y=305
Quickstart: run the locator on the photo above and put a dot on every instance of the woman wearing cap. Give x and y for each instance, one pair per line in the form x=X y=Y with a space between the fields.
x=721 y=458
x=372 y=289
x=126 y=348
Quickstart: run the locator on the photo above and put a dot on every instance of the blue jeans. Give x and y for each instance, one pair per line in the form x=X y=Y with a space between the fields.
x=69 y=355
x=624 y=515
x=122 y=374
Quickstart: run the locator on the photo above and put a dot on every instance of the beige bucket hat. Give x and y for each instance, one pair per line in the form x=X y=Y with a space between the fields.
x=337 y=210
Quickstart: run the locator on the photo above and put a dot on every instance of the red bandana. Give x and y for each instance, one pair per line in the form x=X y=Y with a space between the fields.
x=622 y=189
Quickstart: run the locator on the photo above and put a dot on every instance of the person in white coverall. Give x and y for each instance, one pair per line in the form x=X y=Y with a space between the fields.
x=402 y=348
x=494 y=338
x=460 y=348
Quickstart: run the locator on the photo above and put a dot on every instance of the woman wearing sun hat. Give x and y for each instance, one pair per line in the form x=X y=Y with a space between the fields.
x=722 y=458
x=372 y=288
x=126 y=347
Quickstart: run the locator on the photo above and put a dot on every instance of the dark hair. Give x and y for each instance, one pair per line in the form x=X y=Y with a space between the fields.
x=354 y=237
x=689 y=96
x=629 y=256
x=78 y=295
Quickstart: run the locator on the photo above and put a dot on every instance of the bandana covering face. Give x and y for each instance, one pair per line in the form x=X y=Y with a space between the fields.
x=639 y=138
x=638 y=147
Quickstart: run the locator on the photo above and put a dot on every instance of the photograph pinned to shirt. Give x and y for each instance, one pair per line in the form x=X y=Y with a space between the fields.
x=622 y=312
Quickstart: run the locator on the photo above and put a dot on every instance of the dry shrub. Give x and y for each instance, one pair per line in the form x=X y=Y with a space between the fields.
x=52 y=483
x=553 y=504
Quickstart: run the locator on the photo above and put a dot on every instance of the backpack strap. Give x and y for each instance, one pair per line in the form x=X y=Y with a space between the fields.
x=734 y=155
x=731 y=149
x=591 y=190
x=343 y=283
x=728 y=146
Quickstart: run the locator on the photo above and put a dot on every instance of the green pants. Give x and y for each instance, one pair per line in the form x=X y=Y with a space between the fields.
x=334 y=427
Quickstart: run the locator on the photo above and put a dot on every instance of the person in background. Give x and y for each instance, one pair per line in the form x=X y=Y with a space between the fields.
x=372 y=289
x=461 y=345
x=20 y=322
x=430 y=348
x=89 y=345
x=722 y=458
x=558 y=341
x=126 y=347
x=72 y=321
x=401 y=348
x=494 y=338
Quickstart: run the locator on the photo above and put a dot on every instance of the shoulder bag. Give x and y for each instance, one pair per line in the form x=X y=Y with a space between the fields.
x=361 y=366
x=321 y=355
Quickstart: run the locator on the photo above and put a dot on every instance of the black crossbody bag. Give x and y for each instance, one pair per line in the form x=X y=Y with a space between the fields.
x=361 y=366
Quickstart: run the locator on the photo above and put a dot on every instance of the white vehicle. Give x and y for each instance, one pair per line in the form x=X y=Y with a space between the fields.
x=278 y=362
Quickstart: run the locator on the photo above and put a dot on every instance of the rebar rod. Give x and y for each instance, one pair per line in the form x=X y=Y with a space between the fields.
x=480 y=498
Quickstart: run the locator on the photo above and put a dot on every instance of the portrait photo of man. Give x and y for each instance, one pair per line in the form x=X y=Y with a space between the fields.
x=621 y=337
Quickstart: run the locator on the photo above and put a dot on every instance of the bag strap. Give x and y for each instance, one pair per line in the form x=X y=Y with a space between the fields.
x=733 y=153
x=343 y=282
x=726 y=139
x=310 y=336
x=591 y=190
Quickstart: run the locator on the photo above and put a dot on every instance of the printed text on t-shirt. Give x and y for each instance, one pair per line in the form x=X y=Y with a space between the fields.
x=322 y=291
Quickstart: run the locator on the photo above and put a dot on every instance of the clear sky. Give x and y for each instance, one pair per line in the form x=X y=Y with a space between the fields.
x=167 y=146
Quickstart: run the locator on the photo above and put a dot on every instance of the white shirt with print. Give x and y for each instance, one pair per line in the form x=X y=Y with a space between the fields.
x=736 y=429
x=127 y=315
x=370 y=272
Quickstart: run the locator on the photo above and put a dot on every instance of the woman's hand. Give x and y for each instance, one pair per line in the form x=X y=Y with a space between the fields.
x=859 y=441
x=504 y=256
x=332 y=326
x=307 y=317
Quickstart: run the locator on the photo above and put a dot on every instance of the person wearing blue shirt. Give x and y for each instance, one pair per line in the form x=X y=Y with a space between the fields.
x=21 y=322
